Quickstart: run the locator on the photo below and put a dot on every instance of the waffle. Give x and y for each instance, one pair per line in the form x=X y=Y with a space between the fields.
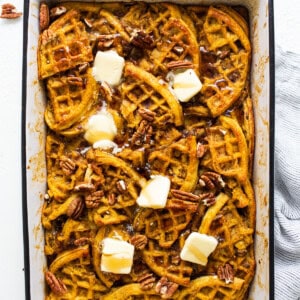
x=64 y=45
x=228 y=149
x=142 y=90
x=70 y=97
x=203 y=147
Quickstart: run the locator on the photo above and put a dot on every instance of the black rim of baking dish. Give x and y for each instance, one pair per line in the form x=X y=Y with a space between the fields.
x=271 y=157
x=23 y=143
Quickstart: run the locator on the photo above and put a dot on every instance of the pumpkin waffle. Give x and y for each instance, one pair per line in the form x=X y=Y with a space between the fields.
x=200 y=151
x=228 y=149
x=63 y=46
x=69 y=97
x=142 y=90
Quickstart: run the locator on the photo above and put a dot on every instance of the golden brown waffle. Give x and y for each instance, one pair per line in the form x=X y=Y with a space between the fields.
x=141 y=90
x=165 y=262
x=210 y=287
x=204 y=147
x=228 y=149
x=65 y=165
x=64 y=45
x=164 y=226
x=179 y=161
x=69 y=98
x=235 y=247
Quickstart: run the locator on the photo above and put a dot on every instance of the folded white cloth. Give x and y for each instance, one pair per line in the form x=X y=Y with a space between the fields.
x=287 y=176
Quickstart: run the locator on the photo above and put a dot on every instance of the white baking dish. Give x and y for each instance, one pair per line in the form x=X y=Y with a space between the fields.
x=262 y=90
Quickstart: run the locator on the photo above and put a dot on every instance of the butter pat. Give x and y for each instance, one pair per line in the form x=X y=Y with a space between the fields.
x=155 y=192
x=104 y=145
x=185 y=85
x=117 y=256
x=100 y=126
x=108 y=66
x=198 y=247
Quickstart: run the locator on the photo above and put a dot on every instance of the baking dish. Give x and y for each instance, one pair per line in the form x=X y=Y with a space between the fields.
x=34 y=171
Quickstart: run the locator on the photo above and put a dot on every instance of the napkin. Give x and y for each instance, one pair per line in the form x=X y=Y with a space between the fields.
x=287 y=175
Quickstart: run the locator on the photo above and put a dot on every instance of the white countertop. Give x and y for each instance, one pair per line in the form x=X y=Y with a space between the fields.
x=287 y=27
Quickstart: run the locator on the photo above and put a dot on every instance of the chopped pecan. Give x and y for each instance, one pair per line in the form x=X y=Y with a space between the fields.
x=48 y=36
x=178 y=50
x=180 y=64
x=106 y=40
x=83 y=67
x=106 y=90
x=146 y=281
x=139 y=241
x=240 y=252
x=111 y=199
x=201 y=150
x=82 y=241
x=9 y=12
x=142 y=40
x=147 y=114
x=175 y=259
x=84 y=187
x=44 y=16
x=57 y=11
x=67 y=165
x=88 y=22
x=93 y=200
x=56 y=284
x=226 y=273
x=121 y=186
x=166 y=288
x=143 y=134
x=75 y=208
x=211 y=180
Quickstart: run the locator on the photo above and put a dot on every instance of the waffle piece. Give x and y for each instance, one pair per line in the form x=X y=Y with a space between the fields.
x=141 y=90
x=163 y=225
x=110 y=231
x=63 y=46
x=228 y=149
x=179 y=161
x=225 y=59
x=210 y=287
x=131 y=291
x=235 y=246
x=116 y=179
x=165 y=262
x=65 y=165
x=70 y=97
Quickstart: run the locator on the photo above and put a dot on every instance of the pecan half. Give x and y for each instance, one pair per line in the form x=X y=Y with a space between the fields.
x=75 y=208
x=84 y=187
x=93 y=200
x=67 y=165
x=147 y=114
x=9 y=12
x=180 y=64
x=44 y=16
x=142 y=40
x=166 y=288
x=139 y=241
x=56 y=285
x=146 y=281
x=185 y=195
x=57 y=11
x=106 y=40
x=73 y=80
x=208 y=199
x=48 y=36
x=211 y=180
x=226 y=273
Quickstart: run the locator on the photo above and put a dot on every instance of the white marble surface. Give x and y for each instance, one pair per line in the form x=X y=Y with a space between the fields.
x=287 y=28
